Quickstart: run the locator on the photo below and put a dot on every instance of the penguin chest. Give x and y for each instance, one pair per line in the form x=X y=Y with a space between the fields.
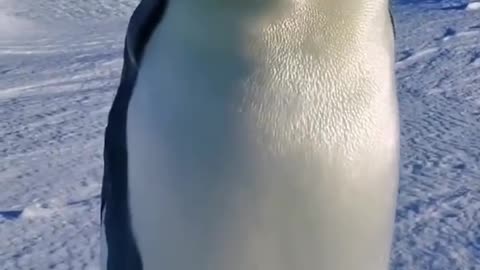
x=242 y=161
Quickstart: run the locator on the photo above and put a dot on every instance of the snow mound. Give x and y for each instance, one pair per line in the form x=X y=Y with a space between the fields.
x=473 y=6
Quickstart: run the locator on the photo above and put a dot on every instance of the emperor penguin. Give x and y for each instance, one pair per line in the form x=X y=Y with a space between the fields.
x=253 y=135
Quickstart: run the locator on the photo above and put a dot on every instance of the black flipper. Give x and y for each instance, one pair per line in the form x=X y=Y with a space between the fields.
x=393 y=22
x=392 y=19
x=122 y=250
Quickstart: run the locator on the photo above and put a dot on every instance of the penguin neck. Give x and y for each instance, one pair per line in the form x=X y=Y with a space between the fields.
x=235 y=9
x=212 y=15
x=207 y=20
x=217 y=8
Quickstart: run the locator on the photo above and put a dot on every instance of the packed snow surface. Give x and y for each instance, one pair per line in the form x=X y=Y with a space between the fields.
x=60 y=64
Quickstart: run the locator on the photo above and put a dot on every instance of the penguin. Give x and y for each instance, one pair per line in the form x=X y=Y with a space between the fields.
x=253 y=135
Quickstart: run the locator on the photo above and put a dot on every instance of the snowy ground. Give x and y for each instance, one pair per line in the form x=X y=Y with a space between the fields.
x=59 y=67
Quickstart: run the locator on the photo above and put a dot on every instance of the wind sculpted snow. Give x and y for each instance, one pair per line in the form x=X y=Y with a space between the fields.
x=60 y=64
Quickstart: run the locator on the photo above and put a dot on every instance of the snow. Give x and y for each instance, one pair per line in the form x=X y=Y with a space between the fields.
x=60 y=63
x=473 y=6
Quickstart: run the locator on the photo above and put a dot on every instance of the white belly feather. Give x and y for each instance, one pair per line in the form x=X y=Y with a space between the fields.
x=276 y=149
